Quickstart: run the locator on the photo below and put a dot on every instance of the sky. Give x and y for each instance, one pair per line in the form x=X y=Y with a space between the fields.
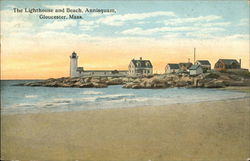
x=161 y=31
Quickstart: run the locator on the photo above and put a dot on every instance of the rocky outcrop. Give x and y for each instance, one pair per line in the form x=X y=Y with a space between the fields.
x=208 y=80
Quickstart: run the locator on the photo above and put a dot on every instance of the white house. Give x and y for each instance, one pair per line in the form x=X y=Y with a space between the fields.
x=76 y=71
x=195 y=70
x=172 y=68
x=140 y=67
x=205 y=64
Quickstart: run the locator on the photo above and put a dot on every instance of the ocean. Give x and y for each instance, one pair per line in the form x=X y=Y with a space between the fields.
x=23 y=99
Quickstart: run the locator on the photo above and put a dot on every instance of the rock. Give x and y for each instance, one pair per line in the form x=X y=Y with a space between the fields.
x=138 y=80
x=128 y=85
x=181 y=84
x=114 y=81
x=88 y=79
x=215 y=84
x=136 y=86
x=95 y=80
x=125 y=79
x=100 y=85
x=237 y=83
x=86 y=85
x=66 y=85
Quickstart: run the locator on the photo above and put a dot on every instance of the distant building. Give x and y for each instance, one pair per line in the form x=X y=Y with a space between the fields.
x=205 y=64
x=172 y=68
x=140 y=67
x=185 y=66
x=196 y=69
x=76 y=71
x=227 y=64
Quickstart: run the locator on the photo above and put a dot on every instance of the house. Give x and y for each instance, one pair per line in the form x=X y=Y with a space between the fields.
x=227 y=64
x=185 y=66
x=140 y=67
x=172 y=68
x=205 y=64
x=195 y=69
x=76 y=71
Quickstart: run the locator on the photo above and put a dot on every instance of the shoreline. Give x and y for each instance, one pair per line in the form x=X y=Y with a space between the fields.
x=216 y=130
x=139 y=106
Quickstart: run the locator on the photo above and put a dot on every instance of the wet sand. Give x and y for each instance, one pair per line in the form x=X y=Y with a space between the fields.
x=200 y=131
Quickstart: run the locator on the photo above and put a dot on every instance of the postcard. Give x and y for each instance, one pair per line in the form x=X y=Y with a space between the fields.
x=125 y=80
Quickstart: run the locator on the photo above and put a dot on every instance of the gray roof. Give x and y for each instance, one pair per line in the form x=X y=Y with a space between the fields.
x=142 y=63
x=194 y=67
x=204 y=62
x=229 y=61
x=174 y=66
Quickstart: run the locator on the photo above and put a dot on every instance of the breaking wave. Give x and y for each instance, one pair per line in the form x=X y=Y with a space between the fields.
x=91 y=93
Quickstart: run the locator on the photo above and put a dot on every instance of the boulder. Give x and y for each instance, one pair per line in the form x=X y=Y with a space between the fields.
x=237 y=83
x=100 y=85
x=181 y=84
x=128 y=85
x=138 y=80
x=114 y=81
x=87 y=80
x=86 y=85
x=136 y=86
x=215 y=84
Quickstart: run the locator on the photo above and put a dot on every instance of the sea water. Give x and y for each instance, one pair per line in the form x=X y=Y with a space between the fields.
x=24 y=99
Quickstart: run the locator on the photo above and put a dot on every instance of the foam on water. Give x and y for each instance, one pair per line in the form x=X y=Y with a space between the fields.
x=20 y=99
x=91 y=93
x=30 y=96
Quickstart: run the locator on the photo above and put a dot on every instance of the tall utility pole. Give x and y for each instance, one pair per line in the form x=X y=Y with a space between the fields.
x=194 y=55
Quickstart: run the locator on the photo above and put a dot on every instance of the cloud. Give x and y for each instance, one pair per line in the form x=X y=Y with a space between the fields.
x=87 y=25
x=172 y=35
x=140 y=31
x=238 y=36
x=118 y=20
x=177 y=21
x=60 y=24
x=222 y=24
x=200 y=35
x=244 y=22
x=14 y=22
x=84 y=22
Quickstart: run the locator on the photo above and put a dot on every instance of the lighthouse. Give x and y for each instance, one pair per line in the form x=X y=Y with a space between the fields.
x=73 y=65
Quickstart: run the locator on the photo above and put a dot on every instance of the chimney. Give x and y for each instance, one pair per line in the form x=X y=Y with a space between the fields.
x=194 y=55
x=140 y=58
x=189 y=60
x=240 y=62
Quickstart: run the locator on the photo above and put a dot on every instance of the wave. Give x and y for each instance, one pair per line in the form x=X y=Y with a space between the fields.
x=108 y=97
x=92 y=92
x=116 y=95
x=31 y=96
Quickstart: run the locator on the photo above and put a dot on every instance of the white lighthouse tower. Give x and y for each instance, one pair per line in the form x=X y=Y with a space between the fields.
x=73 y=65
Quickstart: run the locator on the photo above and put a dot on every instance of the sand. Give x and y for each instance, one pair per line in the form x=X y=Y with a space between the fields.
x=207 y=131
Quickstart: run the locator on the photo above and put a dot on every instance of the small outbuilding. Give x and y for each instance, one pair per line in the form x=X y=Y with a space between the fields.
x=195 y=70
x=172 y=68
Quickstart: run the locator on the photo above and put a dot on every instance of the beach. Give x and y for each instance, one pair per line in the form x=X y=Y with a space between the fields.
x=208 y=131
